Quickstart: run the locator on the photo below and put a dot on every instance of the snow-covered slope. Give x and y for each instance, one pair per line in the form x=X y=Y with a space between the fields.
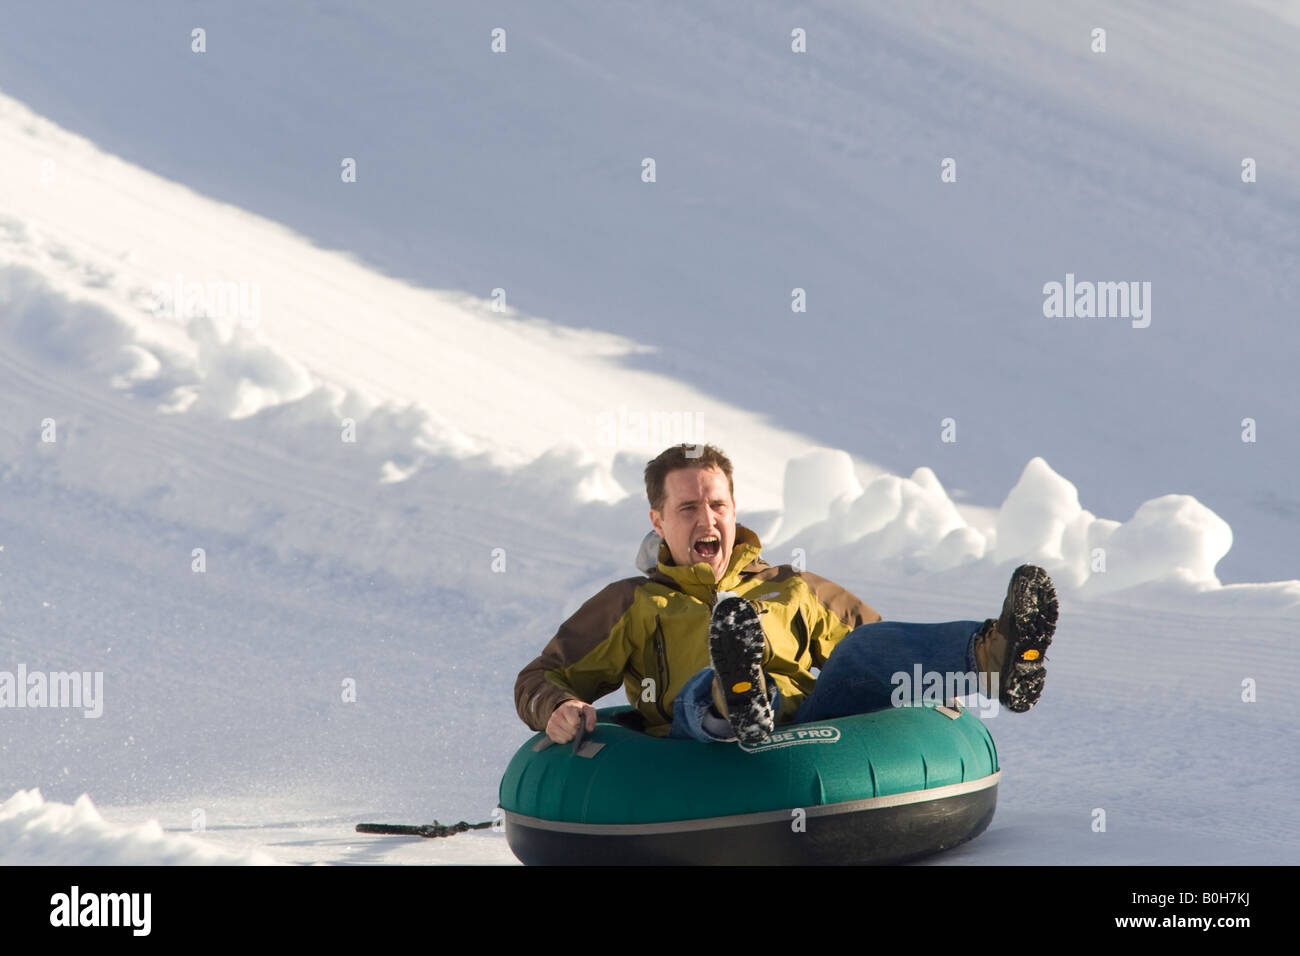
x=775 y=170
x=271 y=462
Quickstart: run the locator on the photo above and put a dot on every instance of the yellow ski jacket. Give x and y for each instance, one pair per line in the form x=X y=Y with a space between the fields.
x=651 y=634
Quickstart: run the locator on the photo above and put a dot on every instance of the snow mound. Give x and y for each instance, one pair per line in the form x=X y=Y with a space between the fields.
x=814 y=483
x=36 y=833
x=1172 y=541
x=1171 y=537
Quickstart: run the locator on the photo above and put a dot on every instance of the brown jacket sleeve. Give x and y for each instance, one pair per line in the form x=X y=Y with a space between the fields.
x=585 y=659
x=844 y=612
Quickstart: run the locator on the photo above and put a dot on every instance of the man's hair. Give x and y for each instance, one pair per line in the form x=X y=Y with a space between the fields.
x=683 y=456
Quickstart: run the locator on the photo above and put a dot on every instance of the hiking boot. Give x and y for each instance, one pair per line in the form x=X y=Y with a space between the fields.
x=736 y=648
x=1014 y=646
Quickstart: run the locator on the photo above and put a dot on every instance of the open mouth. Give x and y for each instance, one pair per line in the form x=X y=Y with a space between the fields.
x=708 y=547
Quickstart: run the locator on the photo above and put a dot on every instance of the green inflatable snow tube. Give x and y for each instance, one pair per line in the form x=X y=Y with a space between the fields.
x=883 y=787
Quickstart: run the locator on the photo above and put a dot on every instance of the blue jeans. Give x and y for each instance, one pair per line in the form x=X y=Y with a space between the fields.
x=858 y=676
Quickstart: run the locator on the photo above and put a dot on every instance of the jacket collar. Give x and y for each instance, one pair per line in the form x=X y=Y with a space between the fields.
x=697 y=579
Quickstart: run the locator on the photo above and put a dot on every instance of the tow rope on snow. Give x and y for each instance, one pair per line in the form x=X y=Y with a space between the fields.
x=434 y=829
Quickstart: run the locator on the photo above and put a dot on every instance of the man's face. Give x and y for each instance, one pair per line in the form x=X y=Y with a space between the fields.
x=699 y=518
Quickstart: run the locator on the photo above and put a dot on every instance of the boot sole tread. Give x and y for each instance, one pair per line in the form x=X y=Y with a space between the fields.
x=736 y=648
